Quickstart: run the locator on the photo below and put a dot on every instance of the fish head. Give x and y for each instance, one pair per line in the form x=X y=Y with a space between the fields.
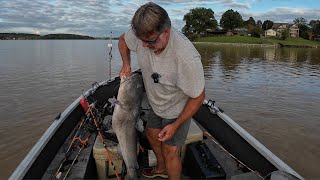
x=130 y=90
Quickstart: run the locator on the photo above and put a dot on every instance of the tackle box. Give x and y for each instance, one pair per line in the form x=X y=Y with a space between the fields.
x=104 y=167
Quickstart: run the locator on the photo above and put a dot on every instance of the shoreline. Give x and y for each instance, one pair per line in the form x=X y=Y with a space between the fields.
x=236 y=44
x=260 y=45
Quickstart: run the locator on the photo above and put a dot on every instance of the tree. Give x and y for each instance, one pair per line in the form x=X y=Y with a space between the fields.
x=251 y=21
x=303 y=28
x=256 y=31
x=315 y=27
x=304 y=31
x=259 y=23
x=267 y=24
x=300 y=20
x=231 y=20
x=199 y=20
x=250 y=24
x=284 y=34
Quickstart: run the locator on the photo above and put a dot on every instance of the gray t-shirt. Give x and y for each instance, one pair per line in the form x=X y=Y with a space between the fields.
x=180 y=69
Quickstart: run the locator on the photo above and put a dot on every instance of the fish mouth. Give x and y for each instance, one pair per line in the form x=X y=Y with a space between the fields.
x=124 y=79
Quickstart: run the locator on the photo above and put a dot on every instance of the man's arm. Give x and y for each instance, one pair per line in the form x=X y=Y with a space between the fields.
x=125 y=55
x=189 y=110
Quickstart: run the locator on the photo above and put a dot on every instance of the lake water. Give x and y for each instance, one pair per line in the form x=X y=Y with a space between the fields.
x=272 y=93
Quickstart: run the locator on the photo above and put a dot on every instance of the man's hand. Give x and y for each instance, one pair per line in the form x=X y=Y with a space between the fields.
x=167 y=132
x=189 y=110
x=125 y=71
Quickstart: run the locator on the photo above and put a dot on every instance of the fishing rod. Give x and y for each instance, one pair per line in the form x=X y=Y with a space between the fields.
x=110 y=56
x=81 y=130
x=78 y=136
x=72 y=144
x=83 y=144
x=103 y=142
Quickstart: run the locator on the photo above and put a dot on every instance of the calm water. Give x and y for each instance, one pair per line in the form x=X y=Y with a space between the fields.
x=273 y=93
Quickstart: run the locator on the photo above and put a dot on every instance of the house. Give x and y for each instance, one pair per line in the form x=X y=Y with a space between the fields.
x=293 y=29
x=270 y=32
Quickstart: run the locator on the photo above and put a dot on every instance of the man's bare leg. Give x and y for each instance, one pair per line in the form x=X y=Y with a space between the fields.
x=152 y=135
x=172 y=161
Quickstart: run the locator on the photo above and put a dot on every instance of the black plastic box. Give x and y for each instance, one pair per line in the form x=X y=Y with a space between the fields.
x=200 y=163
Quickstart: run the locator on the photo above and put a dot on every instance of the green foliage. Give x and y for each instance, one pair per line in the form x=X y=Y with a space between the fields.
x=199 y=20
x=293 y=41
x=304 y=31
x=6 y=36
x=251 y=21
x=250 y=24
x=284 y=34
x=259 y=23
x=267 y=24
x=315 y=27
x=231 y=20
x=303 y=28
x=253 y=40
x=234 y=39
x=304 y=34
x=256 y=31
x=193 y=37
x=65 y=36
x=300 y=21
x=35 y=36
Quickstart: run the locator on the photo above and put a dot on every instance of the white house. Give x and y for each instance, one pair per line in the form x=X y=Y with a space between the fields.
x=270 y=32
x=293 y=29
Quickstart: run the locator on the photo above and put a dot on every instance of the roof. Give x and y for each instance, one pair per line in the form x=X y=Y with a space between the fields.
x=270 y=30
x=277 y=25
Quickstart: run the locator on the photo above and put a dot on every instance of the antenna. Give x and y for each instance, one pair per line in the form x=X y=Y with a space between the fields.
x=110 y=56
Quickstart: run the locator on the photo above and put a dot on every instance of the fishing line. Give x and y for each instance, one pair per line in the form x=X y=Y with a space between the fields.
x=104 y=144
x=218 y=144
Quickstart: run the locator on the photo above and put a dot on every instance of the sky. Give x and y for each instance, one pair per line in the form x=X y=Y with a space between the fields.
x=99 y=18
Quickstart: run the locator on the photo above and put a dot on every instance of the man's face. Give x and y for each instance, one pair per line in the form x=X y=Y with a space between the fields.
x=156 y=42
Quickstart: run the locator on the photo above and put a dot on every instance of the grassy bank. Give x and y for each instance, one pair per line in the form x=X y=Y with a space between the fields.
x=294 y=41
x=233 y=39
x=253 y=40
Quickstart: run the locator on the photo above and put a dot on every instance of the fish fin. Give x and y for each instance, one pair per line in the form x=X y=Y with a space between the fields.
x=113 y=101
x=139 y=125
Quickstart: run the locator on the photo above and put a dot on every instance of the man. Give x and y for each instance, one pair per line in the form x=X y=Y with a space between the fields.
x=174 y=81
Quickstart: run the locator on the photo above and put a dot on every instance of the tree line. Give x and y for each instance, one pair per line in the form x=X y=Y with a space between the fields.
x=200 y=20
x=8 y=36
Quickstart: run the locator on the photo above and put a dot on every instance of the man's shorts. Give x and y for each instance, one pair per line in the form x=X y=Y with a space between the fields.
x=178 y=139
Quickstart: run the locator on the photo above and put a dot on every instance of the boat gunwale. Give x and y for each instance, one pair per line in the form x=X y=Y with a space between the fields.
x=264 y=151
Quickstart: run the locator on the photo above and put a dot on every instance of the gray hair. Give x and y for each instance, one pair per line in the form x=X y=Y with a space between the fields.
x=150 y=18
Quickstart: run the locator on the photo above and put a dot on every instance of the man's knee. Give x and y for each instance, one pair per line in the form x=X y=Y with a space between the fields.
x=169 y=151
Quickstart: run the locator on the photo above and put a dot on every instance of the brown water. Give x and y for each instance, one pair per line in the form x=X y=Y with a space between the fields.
x=272 y=93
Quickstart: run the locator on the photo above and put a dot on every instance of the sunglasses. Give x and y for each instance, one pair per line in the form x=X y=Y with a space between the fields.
x=153 y=41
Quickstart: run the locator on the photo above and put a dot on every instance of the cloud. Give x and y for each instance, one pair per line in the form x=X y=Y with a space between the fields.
x=100 y=17
x=60 y=16
x=283 y=14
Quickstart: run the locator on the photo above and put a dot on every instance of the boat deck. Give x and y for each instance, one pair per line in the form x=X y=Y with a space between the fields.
x=229 y=164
